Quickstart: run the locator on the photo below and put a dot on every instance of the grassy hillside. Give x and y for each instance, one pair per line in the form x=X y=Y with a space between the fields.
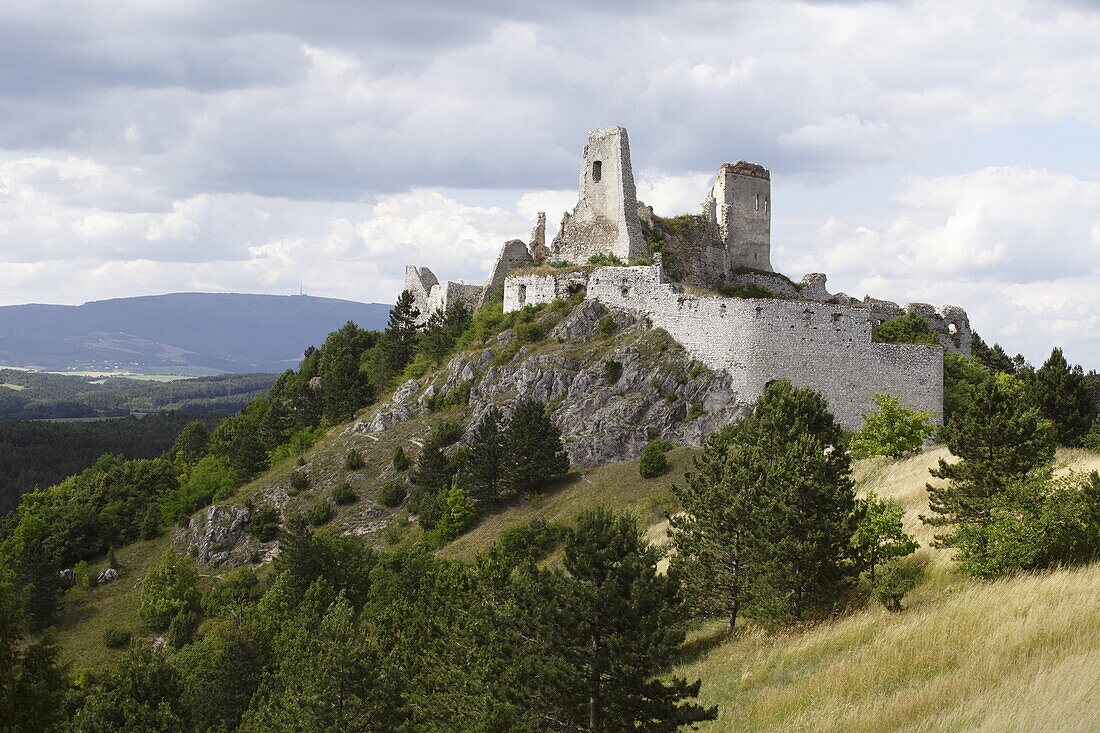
x=1018 y=654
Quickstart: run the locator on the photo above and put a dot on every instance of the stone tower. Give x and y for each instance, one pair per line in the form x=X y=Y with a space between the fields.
x=605 y=220
x=741 y=204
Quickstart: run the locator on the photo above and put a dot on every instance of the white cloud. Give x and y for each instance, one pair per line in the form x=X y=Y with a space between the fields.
x=1016 y=246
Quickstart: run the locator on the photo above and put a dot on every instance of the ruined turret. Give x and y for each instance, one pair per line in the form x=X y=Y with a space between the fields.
x=739 y=204
x=605 y=220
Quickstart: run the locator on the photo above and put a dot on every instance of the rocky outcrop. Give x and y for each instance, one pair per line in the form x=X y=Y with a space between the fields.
x=401 y=407
x=109 y=575
x=212 y=534
x=612 y=381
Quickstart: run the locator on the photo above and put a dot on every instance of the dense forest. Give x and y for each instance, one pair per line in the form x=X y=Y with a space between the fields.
x=557 y=627
x=29 y=395
x=42 y=453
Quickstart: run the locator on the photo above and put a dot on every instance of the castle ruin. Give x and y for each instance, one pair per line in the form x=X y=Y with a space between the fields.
x=800 y=332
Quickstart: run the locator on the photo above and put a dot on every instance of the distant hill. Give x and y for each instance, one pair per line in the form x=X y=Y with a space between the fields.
x=181 y=333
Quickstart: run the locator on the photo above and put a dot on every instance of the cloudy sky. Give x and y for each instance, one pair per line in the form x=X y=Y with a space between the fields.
x=943 y=152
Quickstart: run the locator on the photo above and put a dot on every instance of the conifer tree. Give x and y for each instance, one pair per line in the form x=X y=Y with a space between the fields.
x=327 y=678
x=621 y=628
x=534 y=453
x=769 y=512
x=1063 y=397
x=399 y=341
x=1000 y=439
x=443 y=330
x=484 y=459
x=344 y=387
x=993 y=357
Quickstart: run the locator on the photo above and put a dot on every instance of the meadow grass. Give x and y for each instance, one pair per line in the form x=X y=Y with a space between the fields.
x=1018 y=654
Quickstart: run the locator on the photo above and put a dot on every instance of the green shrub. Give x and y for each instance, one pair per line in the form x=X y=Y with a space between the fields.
x=653 y=462
x=318 y=514
x=84 y=577
x=907 y=329
x=299 y=482
x=344 y=494
x=353 y=461
x=211 y=479
x=528 y=333
x=296 y=445
x=607 y=326
x=264 y=523
x=400 y=460
x=606 y=260
x=183 y=627
x=894 y=583
x=392 y=494
x=116 y=638
x=169 y=587
x=695 y=411
x=612 y=371
x=894 y=431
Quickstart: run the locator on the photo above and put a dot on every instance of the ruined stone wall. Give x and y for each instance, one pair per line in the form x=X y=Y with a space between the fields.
x=524 y=290
x=444 y=295
x=950 y=323
x=825 y=347
x=419 y=281
x=605 y=220
x=514 y=255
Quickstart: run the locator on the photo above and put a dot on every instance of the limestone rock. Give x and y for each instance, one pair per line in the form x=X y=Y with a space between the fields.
x=213 y=533
x=68 y=576
x=401 y=407
x=109 y=575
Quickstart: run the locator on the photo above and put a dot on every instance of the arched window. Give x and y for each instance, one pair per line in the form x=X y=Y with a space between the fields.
x=597 y=171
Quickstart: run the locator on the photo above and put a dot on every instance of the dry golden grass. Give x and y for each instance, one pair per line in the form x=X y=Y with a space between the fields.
x=1020 y=654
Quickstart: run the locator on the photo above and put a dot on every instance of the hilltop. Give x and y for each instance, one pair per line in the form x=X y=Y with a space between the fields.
x=178 y=333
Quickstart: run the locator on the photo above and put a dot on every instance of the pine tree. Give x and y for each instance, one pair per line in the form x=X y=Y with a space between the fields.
x=769 y=512
x=621 y=627
x=1000 y=439
x=328 y=677
x=443 y=330
x=534 y=453
x=344 y=387
x=399 y=341
x=482 y=473
x=1063 y=397
x=993 y=357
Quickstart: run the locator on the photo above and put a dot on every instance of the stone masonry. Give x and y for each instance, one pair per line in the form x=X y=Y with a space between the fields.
x=826 y=347
x=605 y=220
x=805 y=334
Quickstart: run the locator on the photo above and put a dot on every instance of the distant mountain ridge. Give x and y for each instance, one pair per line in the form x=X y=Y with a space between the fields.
x=186 y=332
